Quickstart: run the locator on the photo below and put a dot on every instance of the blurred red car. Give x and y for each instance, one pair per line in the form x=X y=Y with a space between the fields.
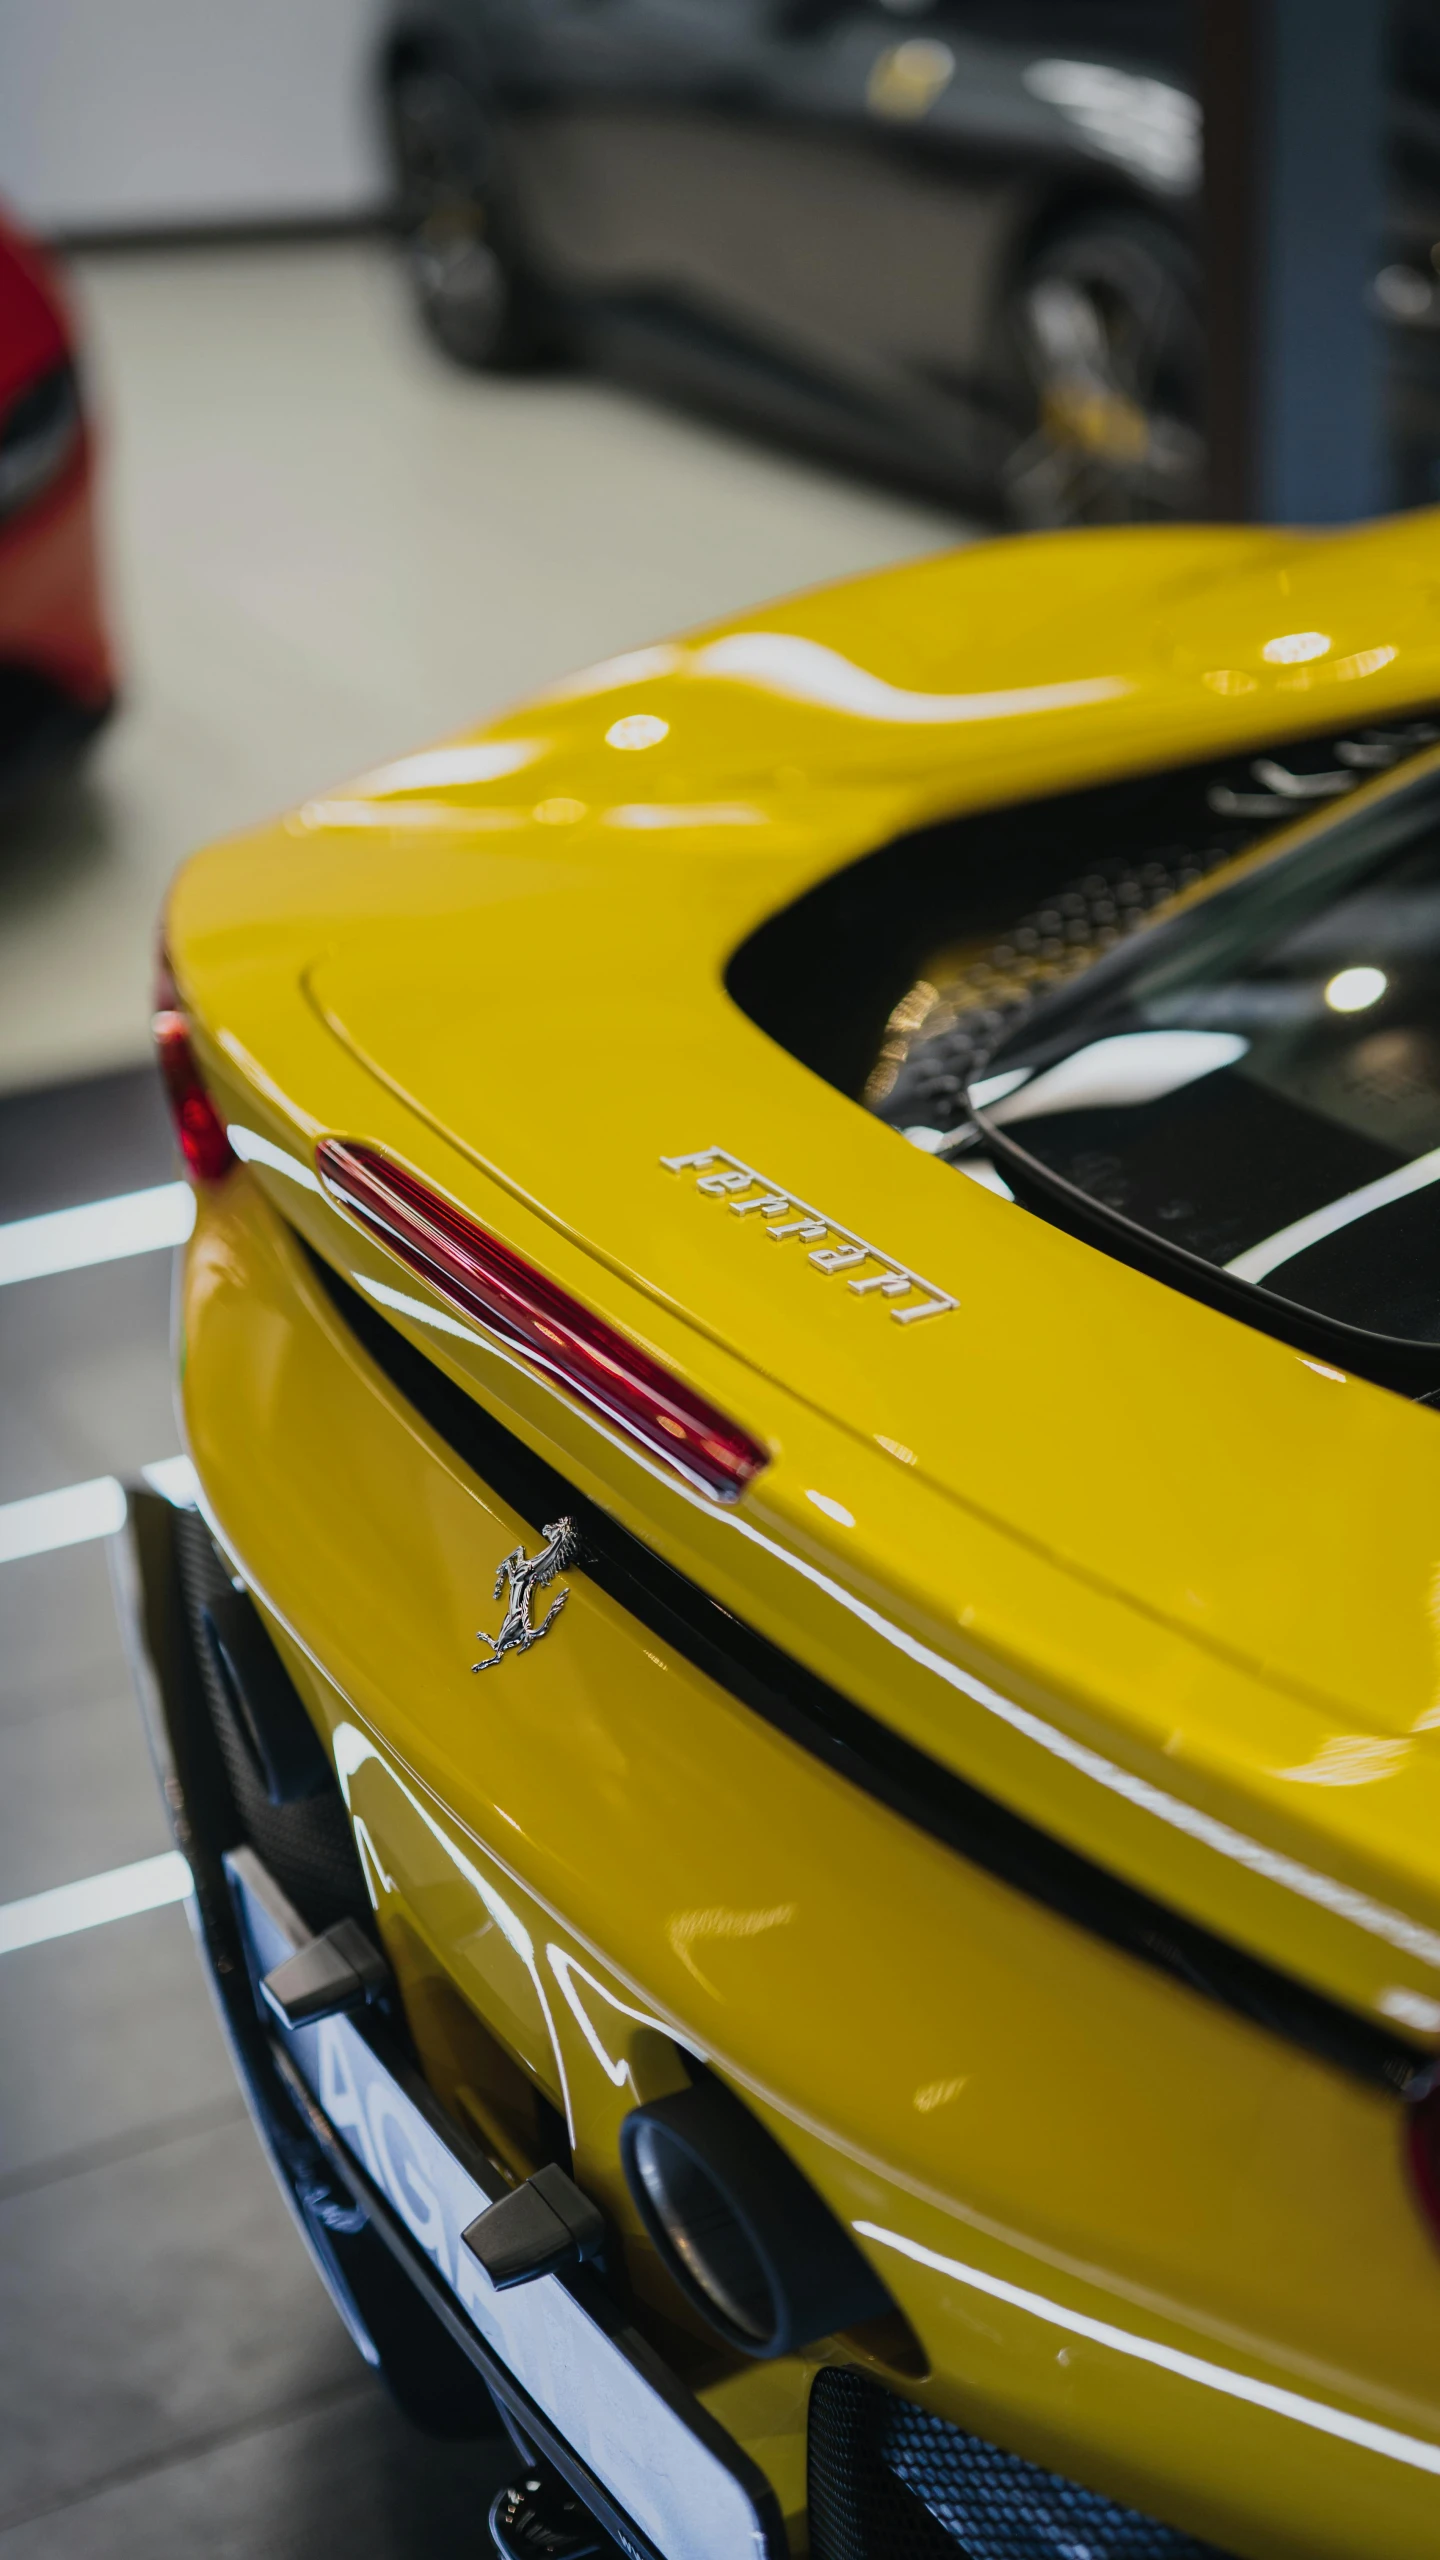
x=57 y=677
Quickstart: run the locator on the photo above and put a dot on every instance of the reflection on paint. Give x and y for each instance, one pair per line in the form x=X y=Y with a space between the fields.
x=352 y=1749
x=450 y=768
x=1295 y=648
x=252 y=1148
x=1317 y=2414
x=799 y=670
x=682 y=813
x=567 y=1970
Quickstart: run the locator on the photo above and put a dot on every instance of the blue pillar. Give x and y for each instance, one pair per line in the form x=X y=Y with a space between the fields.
x=1294 y=93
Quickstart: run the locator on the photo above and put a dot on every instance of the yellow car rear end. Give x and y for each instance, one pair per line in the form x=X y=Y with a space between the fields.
x=922 y=1790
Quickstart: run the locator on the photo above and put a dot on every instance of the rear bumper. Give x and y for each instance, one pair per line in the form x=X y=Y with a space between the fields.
x=380 y=2185
x=350 y=2247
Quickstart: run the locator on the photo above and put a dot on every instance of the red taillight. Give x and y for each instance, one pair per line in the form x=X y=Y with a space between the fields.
x=553 y=1330
x=198 y=1124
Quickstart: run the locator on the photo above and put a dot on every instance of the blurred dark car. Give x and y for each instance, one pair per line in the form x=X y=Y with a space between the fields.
x=956 y=237
x=57 y=677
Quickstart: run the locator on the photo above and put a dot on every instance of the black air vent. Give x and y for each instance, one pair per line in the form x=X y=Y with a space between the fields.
x=889 y=2481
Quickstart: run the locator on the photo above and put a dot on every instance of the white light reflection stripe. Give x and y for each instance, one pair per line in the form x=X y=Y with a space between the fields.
x=1119 y=1073
x=352 y=1749
x=65 y=1518
x=806 y=671
x=1280 y=2403
x=75 y=1513
x=175 y=1478
x=443 y=768
x=251 y=1148
x=682 y=813
x=98 y=1231
x=1262 y=1258
x=1344 y=1901
x=405 y=1305
x=116 y=1895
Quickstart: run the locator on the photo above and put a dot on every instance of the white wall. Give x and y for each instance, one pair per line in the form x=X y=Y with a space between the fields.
x=126 y=114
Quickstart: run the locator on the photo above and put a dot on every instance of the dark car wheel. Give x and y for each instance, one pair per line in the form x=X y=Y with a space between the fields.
x=1105 y=324
x=474 y=290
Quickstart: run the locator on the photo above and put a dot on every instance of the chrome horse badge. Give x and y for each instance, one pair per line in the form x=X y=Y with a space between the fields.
x=527 y=1574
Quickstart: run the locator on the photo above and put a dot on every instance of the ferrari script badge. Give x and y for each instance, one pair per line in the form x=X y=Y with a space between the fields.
x=527 y=1574
x=783 y=1214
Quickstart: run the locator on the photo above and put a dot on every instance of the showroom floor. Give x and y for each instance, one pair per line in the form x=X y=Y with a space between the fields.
x=326 y=548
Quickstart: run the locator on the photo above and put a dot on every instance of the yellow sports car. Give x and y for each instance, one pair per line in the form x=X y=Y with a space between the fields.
x=804 y=1692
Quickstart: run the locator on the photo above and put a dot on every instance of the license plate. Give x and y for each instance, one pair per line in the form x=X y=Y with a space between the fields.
x=667 y=2465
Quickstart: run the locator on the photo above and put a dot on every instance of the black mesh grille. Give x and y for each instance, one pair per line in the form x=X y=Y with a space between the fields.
x=308 y=1846
x=960 y=1027
x=940 y=1036
x=890 y=2482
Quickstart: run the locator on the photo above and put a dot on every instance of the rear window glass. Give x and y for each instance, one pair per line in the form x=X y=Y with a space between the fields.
x=1256 y=1084
x=1238 y=1090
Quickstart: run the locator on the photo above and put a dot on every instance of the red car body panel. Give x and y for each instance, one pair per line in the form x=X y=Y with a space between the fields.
x=52 y=621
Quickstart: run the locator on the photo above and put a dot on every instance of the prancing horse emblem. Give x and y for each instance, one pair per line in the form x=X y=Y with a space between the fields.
x=524 y=1575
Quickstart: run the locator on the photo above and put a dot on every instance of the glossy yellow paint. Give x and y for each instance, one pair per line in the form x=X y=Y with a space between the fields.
x=1126 y=1564
x=607 y=1859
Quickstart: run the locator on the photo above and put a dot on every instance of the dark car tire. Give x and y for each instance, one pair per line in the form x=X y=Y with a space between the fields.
x=473 y=287
x=1107 y=346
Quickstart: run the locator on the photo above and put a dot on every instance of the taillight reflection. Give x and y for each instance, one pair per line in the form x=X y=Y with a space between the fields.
x=556 y=1334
